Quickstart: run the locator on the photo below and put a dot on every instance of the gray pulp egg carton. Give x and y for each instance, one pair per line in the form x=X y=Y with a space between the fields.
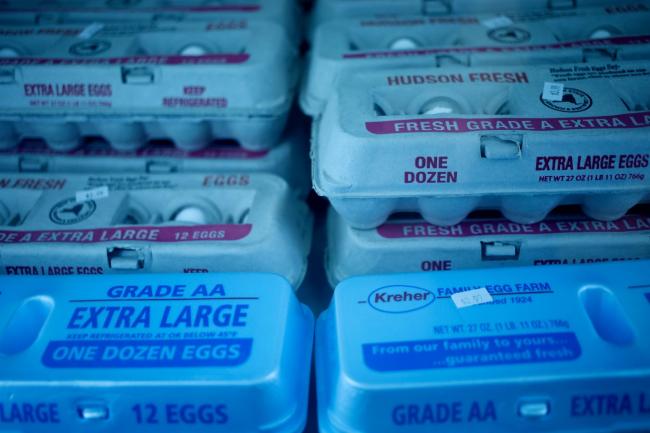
x=288 y=159
x=592 y=34
x=189 y=82
x=444 y=142
x=327 y=10
x=230 y=12
x=189 y=223
x=409 y=244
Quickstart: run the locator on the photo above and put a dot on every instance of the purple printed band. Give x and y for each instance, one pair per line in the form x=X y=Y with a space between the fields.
x=157 y=234
x=504 y=227
x=590 y=43
x=459 y=125
x=102 y=149
x=393 y=21
x=207 y=59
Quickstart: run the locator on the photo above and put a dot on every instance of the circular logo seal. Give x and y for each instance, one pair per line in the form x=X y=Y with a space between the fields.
x=69 y=211
x=89 y=48
x=509 y=35
x=400 y=299
x=573 y=101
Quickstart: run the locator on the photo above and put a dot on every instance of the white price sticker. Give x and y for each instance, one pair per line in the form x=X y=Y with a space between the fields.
x=90 y=30
x=92 y=194
x=497 y=22
x=553 y=91
x=471 y=297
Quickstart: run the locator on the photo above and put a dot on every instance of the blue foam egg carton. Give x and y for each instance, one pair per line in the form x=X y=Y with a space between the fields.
x=558 y=349
x=173 y=353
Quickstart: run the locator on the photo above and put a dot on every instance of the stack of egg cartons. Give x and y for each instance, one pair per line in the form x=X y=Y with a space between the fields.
x=451 y=134
x=153 y=114
x=421 y=113
x=158 y=81
x=139 y=139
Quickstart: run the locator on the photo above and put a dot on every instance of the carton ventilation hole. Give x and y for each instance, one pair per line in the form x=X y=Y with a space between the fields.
x=130 y=220
x=243 y=217
x=14 y=220
x=136 y=214
x=504 y=109
x=25 y=325
x=378 y=109
x=5 y=215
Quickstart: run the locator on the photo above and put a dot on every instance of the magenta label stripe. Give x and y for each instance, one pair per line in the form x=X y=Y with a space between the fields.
x=504 y=227
x=39 y=148
x=207 y=59
x=155 y=234
x=458 y=125
x=590 y=43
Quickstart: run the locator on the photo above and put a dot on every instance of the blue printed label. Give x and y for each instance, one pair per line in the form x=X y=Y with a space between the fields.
x=471 y=352
x=147 y=353
x=610 y=404
x=26 y=412
x=400 y=299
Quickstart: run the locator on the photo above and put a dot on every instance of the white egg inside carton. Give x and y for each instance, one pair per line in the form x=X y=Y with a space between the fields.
x=447 y=142
x=328 y=10
x=288 y=159
x=588 y=36
x=155 y=223
x=406 y=243
x=223 y=14
x=134 y=83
